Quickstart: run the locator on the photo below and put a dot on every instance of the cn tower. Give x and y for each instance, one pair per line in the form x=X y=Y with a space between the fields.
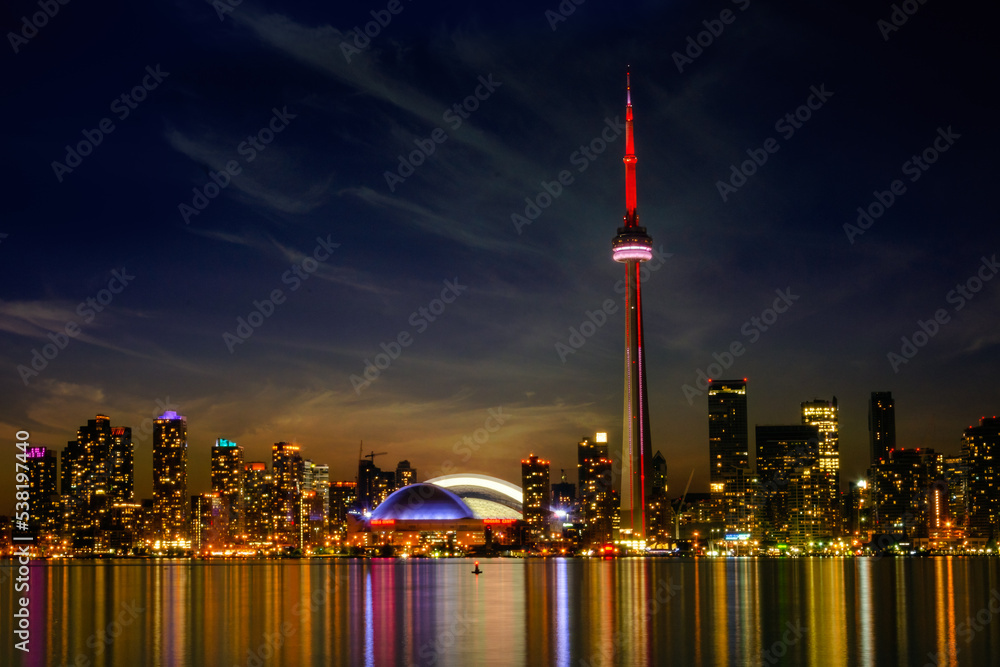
x=631 y=247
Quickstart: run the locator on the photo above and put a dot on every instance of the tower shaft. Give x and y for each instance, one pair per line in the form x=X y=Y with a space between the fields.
x=636 y=446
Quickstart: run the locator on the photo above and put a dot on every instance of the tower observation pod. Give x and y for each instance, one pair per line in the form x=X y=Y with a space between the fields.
x=631 y=247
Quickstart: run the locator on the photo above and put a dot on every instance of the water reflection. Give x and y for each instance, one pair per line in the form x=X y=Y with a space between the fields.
x=563 y=612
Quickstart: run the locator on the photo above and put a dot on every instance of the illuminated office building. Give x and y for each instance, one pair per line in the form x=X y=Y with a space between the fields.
x=981 y=451
x=824 y=415
x=881 y=425
x=596 y=493
x=210 y=523
x=405 y=474
x=227 y=481
x=730 y=478
x=537 y=494
x=789 y=495
x=289 y=476
x=257 y=502
x=121 y=465
x=43 y=497
x=170 y=495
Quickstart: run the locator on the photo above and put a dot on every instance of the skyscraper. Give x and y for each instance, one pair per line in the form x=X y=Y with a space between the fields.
x=537 y=494
x=728 y=449
x=405 y=475
x=288 y=470
x=316 y=478
x=122 y=465
x=94 y=491
x=343 y=497
x=786 y=469
x=227 y=482
x=881 y=425
x=633 y=246
x=824 y=415
x=257 y=504
x=596 y=492
x=43 y=499
x=981 y=451
x=170 y=477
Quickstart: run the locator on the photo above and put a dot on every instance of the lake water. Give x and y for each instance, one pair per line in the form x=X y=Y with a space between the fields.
x=518 y=612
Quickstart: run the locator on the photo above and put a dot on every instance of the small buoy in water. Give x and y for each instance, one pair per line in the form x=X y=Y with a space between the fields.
x=477 y=570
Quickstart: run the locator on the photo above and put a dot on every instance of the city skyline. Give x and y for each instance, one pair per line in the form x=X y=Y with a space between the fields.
x=709 y=451
x=149 y=306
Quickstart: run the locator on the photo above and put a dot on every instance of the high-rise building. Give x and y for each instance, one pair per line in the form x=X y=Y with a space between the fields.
x=824 y=415
x=981 y=451
x=728 y=448
x=900 y=483
x=881 y=425
x=210 y=522
x=121 y=465
x=317 y=479
x=71 y=471
x=94 y=491
x=227 y=482
x=289 y=476
x=43 y=498
x=788 y=499
x=405 y=475
x=956 y=476
x=563 y=494
x=535 y=487
x=343 y=498
x=596 y=493
x=632 y=246
x=257 y=502
x=170 y=478
x=660 y=510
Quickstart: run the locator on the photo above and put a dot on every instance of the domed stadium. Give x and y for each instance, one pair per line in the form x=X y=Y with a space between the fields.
x=463 y=511
x=422 y=502
x=489 y=497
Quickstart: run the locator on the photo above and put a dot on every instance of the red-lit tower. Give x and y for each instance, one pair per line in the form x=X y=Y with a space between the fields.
x=632 y=246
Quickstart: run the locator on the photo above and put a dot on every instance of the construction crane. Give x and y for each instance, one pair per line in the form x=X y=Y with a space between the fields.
x=372 y=454
x=680 y=508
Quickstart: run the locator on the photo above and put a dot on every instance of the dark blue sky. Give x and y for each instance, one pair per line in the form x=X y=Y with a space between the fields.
x=298 y=130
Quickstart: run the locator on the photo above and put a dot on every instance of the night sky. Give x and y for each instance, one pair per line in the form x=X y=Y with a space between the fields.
x=253 y=157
